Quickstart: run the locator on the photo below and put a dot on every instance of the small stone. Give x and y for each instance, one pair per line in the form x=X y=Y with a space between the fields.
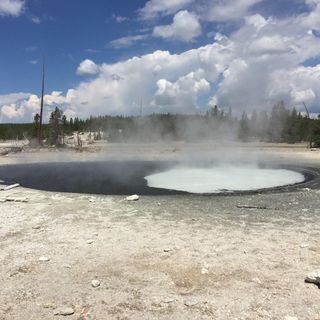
x=36 y=227
x=204 y=271
x=89 y=241
x=167 y=250
x=134 y=197
x=11 y=186
x=95 y=234
x=44 y=259
x=49 y=305
x=313 y=277
x=191 y=302
x=168 y=300
x=304 y=245
x=24 y=269
x=14 y=273
x=64 y=311
x=95 y=283
x=257 y=280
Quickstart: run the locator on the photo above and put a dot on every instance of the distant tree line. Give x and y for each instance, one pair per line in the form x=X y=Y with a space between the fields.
x=280 y=125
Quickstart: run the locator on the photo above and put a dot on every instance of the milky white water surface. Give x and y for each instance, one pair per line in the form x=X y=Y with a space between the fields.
x=221 y=179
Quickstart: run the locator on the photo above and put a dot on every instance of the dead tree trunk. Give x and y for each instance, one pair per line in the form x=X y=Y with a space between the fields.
x=309 y=126
x=40 y=136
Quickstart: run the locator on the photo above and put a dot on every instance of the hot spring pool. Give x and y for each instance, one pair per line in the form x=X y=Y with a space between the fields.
x=157 y=177
x=222 y=179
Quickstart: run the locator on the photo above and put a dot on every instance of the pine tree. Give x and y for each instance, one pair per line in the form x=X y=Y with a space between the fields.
x=71 y=125
x=278 y=123
x=55 y=127
x=316 y=132
x=292 y=127
x=263 y=125
x=76 y=124
x=36 y=125
x=253 y=124
x=243 y=132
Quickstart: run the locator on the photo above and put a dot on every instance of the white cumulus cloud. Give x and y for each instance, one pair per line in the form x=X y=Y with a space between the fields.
x=13 y=97
x=268 y=66
x=185 y=27
x=269 y=45
x=11 y=7
x=22 y=107
x=127 y=41
x=225 y=10
x=182 y=94
x=164 y=81
x=163 y=7
x=87 y=67
x=11 y=111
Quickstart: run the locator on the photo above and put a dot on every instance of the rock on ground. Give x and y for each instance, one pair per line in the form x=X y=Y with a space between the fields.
x=313 y=277
x=95 y=283
x=64 y=311
x=134 y=197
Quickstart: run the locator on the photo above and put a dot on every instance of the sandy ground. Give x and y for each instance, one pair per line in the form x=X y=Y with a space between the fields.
x=162 y=257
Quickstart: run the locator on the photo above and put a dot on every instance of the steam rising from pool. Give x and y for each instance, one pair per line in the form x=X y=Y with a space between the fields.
x=222 y=179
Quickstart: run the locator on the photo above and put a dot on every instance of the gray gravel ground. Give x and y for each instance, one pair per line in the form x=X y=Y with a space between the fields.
x=162 y=257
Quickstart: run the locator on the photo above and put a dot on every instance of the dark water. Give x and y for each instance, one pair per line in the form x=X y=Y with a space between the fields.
x=114 y=178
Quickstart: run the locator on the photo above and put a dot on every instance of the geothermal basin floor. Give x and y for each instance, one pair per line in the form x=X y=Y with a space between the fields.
x=162 y=257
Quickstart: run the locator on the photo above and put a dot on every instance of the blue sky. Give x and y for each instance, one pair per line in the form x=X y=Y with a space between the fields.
x=103 y=57
x=65 y=31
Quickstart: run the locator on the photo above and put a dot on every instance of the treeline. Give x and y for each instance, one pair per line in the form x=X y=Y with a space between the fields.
x=9 y=131
x=280 y=125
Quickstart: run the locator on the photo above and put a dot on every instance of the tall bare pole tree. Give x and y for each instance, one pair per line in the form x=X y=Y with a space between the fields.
x=141 y=106
x=309 y=125
x=40 y=136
